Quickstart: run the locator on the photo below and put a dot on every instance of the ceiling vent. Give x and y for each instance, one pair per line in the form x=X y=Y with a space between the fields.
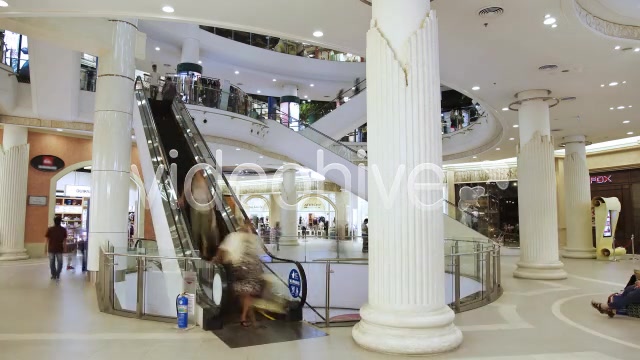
x=548 y=67
x=490 y=12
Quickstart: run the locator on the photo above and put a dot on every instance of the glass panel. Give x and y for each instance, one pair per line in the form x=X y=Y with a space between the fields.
x=224 y=33
x=260 y=41
x=125 y=283
x=241 y=36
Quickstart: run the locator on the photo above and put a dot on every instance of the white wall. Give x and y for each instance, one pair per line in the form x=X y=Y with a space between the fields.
x=73 y=178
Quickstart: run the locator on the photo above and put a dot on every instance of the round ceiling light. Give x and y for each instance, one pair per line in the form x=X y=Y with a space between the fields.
x=613 y=84
x=620 y=107
x=626 y=122
x=554 y=26
x=505 y=109
x=199 y=61
x=617 y=47
x=549 y=21
x=274 y=80
x=3 y=3
x=475 y=88
x=497 y=149
x=168 y=9
x=318 y=33
x=475 y=157
x=236 y=72
x=511 y=139
x=312 y=85
x=157 y=48
x=258 y=91
x=630 y=133
x=516 y=125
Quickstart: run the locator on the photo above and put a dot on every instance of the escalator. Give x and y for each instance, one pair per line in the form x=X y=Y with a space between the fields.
x=172 y=144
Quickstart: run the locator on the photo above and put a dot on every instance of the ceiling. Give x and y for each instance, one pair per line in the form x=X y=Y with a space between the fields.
x=501 y=55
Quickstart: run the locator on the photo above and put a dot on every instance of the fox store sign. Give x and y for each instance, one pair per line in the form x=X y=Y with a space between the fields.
x=47 y=163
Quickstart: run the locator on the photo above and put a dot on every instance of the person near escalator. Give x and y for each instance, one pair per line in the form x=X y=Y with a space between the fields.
x=240 y=251
x=365 y=236
x=54 y=247
x=204 y=229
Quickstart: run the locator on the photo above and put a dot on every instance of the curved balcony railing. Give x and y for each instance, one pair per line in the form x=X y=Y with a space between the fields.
x=283 y=46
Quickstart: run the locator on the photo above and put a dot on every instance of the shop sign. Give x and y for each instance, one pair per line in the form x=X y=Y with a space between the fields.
x=257 y=205
x=47 y=163
x=314 y=204
x=601 y=179
x=77 y=191
x=295 y=283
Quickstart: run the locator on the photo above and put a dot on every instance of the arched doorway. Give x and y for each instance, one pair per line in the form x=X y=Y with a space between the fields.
x=318 y=214
x=258 y=208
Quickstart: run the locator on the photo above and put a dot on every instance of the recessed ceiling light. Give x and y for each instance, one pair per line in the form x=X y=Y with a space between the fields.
x=498 y=149
x=199 y=61
x=613 y=84
x=237 y=149
x=620 y=107
x=305 y=96
x=624 y=82
x=261 y=157
x=610 y=108
x=318 y=33
x=3 y=4
x=237 y=164
x=274 y=80
x=601 y=85
x=505 y=109
x=167 y=9
x=549 y=21
x=258 y=91
x=630 y=106
x=630 y=133
x=512 y=139
x=157 y=48
x=547 y=16
x=236 y=72
x=516 y=125
x=554 y=26
x=636 y=49
x=626 y=122
x=617 y=47
x=312 y=85
x=475 y=88
x=475 y=157
x=59 y=129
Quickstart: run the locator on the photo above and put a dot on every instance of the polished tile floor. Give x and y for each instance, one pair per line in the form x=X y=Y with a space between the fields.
x=41 y=319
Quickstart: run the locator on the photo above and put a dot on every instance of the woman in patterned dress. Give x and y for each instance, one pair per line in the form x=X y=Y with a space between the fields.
x=240 y=250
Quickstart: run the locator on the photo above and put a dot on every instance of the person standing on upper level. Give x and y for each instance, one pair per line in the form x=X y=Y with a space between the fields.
x=154 y=82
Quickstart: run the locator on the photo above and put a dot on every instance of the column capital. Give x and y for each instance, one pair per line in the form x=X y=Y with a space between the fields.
x=533 y=95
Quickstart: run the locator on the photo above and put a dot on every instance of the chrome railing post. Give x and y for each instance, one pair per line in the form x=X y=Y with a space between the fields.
x=498 y=267
x=141 y=263
x=327 y=294
x=456 y=259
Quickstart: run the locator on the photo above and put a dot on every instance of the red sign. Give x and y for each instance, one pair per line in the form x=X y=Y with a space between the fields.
x=601 y=179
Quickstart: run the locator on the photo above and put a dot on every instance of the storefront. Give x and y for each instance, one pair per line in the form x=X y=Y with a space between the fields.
x=258 y=209
x=317 y=214
x=625 y=185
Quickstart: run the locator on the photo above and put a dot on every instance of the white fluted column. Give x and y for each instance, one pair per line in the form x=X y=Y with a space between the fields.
x=537 y=203
x=342 y=212
x=14 y=169
x=289 y=212
x=578 y=200
x=110 y=173
x=190 y=51
x=406 y=312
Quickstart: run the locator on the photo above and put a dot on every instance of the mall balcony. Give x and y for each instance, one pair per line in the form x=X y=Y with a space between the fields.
x=406 y=178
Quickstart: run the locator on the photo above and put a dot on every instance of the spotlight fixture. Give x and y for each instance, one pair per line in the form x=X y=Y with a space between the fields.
x=168 y=9
x=318 y=33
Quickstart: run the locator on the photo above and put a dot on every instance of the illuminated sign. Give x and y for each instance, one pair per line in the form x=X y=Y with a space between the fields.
x=77 y=191
x=601 y=179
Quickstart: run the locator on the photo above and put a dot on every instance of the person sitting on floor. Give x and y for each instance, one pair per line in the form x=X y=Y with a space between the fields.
x=619 y=302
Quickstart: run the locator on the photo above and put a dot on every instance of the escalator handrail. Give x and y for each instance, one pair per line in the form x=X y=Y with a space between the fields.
x=180 y=106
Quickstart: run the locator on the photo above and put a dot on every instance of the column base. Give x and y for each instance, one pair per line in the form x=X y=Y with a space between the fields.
x=413 y=331
x=13 y=255
x=579 y=253
x=551 y=271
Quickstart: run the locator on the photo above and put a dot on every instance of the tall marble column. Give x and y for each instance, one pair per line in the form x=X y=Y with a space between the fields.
x=289 y=208
x=14 y=169
x=406 y=312
x=537 y=203
x=578 y=200
x=110 y=173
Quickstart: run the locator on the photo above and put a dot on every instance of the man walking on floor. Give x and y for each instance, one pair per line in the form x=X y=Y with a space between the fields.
x=54 y=246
